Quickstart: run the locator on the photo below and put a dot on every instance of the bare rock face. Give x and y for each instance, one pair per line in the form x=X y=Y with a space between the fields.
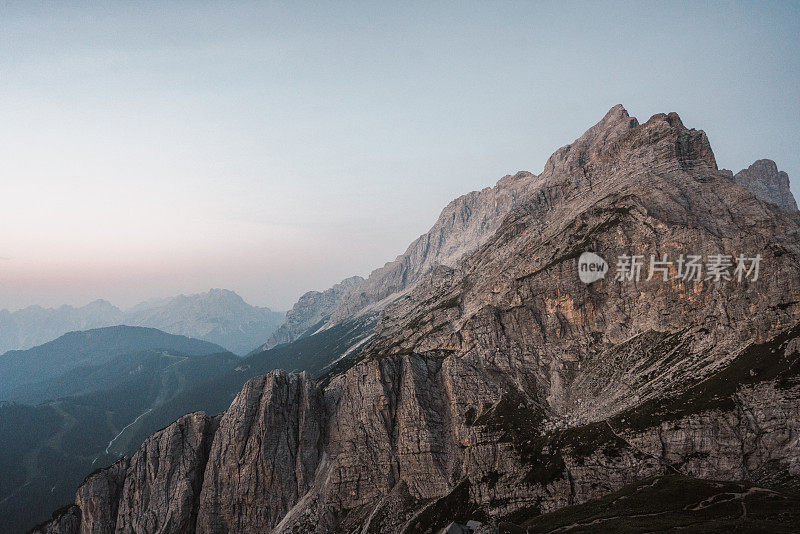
x=66 y=520
x=313 y=308
x=264 y=455
x=156 y=491
x=98 y=498
x=162 y=485
x=767 y=183
x=576 y=155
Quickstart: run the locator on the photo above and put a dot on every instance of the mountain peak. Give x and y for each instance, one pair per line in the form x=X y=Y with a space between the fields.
x=671 y=118
x=767 y=183
x=587 y=387
x=764 y=166
x=100 y=304
x=616 y=113
x=614 y=124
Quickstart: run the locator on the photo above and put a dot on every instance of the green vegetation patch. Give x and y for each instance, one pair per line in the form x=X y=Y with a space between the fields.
x=520 y=424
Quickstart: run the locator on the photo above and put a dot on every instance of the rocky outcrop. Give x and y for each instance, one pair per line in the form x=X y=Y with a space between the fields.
x=767 y=183
x=264 y=455
x=156 y=491
x=501 y=387
x=163 y=482
x=98 y=498
x=310 y=312
x=66 y=520
x=587 y=147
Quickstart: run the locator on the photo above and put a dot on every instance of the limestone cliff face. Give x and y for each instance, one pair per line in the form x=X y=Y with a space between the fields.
x=67 y=520
x=167 y=474
x=98 y=498
x=264 y=455
x=767 y=183
x=501 y=387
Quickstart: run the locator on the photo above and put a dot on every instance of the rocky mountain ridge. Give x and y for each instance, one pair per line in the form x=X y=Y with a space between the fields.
x=462 y=226
x=501 y=387
x=468 y=221
x=309 y=313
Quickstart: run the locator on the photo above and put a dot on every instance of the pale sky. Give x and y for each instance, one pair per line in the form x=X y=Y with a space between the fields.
x=151 y=149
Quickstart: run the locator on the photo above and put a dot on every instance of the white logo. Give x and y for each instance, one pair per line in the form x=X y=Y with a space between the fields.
x=591 y=267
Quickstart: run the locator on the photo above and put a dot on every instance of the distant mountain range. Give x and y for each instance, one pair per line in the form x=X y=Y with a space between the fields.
x=34 y=325
x=219 y=316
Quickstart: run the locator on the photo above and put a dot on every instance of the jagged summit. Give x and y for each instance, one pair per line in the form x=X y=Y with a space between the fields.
x=767 y=183
x=663 y=142
x=615 y=123
x=691 y=147
x=615 y=113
